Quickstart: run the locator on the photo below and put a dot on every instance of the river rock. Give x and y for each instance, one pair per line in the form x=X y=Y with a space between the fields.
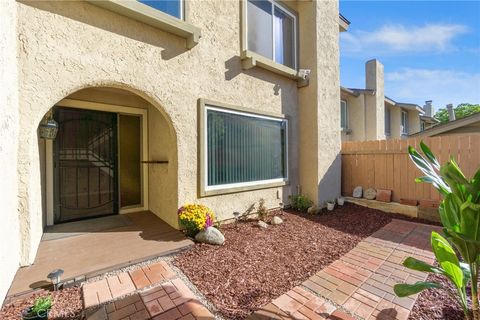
x=370 y=194
x=277 y=220
x=262 y=224
x=211 y=236
x=358 y=192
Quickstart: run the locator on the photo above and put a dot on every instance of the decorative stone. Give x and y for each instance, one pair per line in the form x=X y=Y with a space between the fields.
x=313 y=210
x=262 y=224
x=358 y=192
x=211 y=236
x=277 y=220
x=370 y=194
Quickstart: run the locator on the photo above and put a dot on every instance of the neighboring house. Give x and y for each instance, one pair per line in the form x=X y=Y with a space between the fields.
x=367 y=114
x=160 y=105
x=470 y=124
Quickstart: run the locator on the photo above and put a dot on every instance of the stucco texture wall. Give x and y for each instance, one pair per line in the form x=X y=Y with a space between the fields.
x=9 y=231
x=68 y=46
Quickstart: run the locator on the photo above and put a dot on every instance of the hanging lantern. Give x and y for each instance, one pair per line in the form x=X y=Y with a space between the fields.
x=48 y=128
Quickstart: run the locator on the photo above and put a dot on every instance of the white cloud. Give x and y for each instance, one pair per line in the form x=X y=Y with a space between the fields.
x=400 y=39
x=441 y=86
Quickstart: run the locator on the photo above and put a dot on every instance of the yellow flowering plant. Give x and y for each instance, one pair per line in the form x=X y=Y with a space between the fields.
x=195 y=217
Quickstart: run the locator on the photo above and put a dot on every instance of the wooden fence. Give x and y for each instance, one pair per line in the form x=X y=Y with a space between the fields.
x=385 y=164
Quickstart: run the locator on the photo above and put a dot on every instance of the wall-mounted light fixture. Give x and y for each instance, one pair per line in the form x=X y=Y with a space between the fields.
x=48 y=127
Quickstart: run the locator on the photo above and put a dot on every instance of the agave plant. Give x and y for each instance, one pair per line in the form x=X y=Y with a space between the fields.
x=460 y=217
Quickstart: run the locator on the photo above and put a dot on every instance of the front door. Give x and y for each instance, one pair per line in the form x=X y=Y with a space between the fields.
x=85 y=157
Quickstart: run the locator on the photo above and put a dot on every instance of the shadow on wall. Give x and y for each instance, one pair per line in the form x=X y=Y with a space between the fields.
x=329 y=187
x=112 y=22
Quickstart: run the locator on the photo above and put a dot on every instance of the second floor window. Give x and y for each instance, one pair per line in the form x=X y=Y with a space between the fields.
x=343 y=114
x=271 y=31
x=404 y=123
x=171 y=7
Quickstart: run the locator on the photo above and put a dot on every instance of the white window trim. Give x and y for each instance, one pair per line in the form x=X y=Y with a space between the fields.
x=288 y=12
x=346 y=114
x=207 y=190
x=87 y=105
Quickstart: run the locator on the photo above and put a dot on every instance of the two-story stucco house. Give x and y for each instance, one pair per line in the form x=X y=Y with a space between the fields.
x=110 y=107
x=368 y=114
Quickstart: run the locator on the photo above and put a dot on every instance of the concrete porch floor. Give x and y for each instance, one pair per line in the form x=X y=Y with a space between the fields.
x=88 y=254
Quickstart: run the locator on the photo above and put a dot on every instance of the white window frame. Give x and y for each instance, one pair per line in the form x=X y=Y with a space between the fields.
x=389 y=121
x=207 y=190
x=182 y=10
x=344 y=102
x=288 y=12
x=404 y=122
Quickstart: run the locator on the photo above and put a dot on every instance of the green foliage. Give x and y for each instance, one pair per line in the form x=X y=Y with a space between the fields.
x=460 y=216
x=42 y=305
x=300 y=202
x=461 y=111
x=262 y=211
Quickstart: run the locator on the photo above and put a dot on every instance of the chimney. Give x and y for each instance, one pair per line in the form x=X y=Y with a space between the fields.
x=428 y=108
x=451 y=113
x=375 y=104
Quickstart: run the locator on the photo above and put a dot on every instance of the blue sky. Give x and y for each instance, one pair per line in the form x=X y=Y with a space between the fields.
x=430 y=49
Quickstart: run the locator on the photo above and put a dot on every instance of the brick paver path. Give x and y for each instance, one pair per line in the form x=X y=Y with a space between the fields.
x=360 y=282
x=126 y=296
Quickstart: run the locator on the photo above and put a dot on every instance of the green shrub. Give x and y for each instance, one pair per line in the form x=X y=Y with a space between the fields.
x=42 y=305
x=300 y=202
x=460 y=215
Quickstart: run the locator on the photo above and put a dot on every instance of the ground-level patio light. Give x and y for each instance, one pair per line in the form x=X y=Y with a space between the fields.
x=55 y=277
x=48 y=127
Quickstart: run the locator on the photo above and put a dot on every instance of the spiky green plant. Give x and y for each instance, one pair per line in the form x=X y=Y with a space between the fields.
x=460 y=216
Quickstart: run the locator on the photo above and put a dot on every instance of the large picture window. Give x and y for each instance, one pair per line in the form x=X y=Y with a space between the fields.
x=171 y=7
x=243 y=149
x=271 y=31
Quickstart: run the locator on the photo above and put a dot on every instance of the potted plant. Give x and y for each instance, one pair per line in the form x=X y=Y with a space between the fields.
x=39 y=310
x=330 y=205
x=340 y=201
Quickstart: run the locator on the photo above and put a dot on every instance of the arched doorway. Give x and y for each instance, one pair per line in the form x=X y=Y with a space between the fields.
x=101 y=159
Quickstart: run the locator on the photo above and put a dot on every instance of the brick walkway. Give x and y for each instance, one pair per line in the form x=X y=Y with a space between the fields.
x=126 y=296
x=360 y=283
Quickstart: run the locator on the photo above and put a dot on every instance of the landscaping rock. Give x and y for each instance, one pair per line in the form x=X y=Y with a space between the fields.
x=277 y=220
x=384 y=195
x=370 y=194
x=358 y=192
x=262 y=224
x=211 y=236
x=313 y=210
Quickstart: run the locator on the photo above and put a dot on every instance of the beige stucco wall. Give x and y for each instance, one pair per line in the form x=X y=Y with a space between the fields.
x=68 y=46
x=356 y=117
x=413 y=121
x=9 y=230
x=320 y=138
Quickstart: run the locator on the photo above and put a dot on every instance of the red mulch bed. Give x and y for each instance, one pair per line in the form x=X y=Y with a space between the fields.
x=255 y=266
x=437 y=304
x=67 y=304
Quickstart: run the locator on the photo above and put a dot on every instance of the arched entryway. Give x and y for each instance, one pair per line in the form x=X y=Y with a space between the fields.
x=114 y=152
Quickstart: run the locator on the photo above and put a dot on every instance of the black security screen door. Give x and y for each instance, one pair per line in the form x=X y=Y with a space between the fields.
x=85 y=153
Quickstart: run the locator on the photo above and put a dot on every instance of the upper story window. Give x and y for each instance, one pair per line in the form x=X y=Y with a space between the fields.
x=422 y=126
x=271 y=31
x=387 y=121
x=343 y=114
x=404 y=122
x=171 y=7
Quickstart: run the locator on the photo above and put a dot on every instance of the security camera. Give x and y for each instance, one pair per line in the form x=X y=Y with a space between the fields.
x=304 y=73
